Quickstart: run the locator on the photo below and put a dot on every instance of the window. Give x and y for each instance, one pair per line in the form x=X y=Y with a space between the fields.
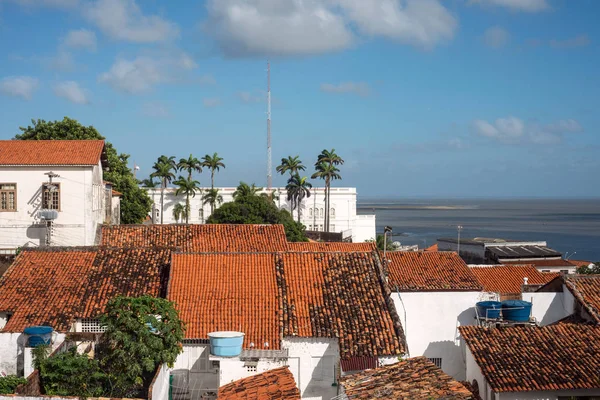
x=310 y=227
x=91 y=325
x=251 y=366
x=310 y=211
x=545 y=270
x=321 y=212
x=51 y=196
x=332 y=228
x=321 y=227
x=8 y=197
x=564 y=271
x=332 y=212
x=436 y=361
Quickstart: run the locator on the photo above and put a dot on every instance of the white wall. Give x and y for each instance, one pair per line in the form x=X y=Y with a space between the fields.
x=160 y=386
x=473 y=373
x=343 y=201
x=548 y=395
x=548 y=307
x=81 y=206
x=430 y=321
x=12 y=357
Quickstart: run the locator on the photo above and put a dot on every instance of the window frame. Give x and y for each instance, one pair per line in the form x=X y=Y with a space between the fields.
x=59 y=195
x=14 y=198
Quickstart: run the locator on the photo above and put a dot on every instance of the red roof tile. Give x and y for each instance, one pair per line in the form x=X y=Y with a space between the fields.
x=412 y=379
x=275 y=384
x=542 y=263
x=199 y=238
x=509 y=279
x=529 y=358
x=586 y=289
x=331 y=246
x=432 y=248
x=430 y=271
x=55 y=286
x=580 y=263
x=269 y=296
x=50 y=152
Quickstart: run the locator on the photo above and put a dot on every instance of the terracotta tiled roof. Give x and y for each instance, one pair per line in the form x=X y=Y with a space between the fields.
x=509 y=279
x=331 y=246
x=55 y=286
x=580 y=263
x=430 y=271
x=115 y=193
x=50 y=152
x=528 y=358
x=199 y=238
x=276 y=384
x=270 y=296
x=541 y=263
x=432 y=248
x=586 y=288
x=412 y=379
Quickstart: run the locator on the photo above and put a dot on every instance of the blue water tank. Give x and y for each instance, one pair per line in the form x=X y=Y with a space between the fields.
x=516 y=310
x=489 y=309
x=38 y=335
x=226 y=344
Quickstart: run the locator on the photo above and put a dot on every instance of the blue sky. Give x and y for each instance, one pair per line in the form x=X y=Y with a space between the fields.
x=422 y=98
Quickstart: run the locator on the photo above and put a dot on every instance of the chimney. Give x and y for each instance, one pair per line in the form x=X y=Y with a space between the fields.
x=525 y=281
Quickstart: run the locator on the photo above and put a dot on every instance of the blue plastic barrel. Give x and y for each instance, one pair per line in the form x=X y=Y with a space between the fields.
x=38 y=335
x=516 y=310
x=489 y=309
x=226 y=344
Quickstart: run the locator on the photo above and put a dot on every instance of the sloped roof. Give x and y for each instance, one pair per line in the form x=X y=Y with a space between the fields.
x=50 y=152
x=415 y=379
x=528 y=358
x=586 y=289
x=332 y=246
x=433 y=247
x=522 y=251
x=199 y=238
x=414 y=271
x=275 y=384
x=542 y=263
x=55 y=286
x=509 y=279
x=272 y=295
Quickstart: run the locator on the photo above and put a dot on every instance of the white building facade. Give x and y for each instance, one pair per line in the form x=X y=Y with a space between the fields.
x=343 y=216
x=65 y=179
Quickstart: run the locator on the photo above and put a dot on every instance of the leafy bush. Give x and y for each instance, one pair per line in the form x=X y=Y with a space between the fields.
x=9 y=383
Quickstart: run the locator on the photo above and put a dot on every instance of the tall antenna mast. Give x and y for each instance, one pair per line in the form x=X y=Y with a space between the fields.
x=269 y=166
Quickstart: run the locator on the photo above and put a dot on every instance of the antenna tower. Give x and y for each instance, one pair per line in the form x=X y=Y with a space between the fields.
x=269 y=166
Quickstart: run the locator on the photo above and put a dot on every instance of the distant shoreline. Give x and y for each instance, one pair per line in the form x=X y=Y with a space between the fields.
x=411 y=207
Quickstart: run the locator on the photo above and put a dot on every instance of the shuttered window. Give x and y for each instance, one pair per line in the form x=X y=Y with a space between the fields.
x=8 y=197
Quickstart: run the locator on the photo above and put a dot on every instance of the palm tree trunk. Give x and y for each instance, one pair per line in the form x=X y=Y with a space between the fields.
x=327 y=183
x=212 y=179
x=299 y=206
x=187 y=209
x=162 y=200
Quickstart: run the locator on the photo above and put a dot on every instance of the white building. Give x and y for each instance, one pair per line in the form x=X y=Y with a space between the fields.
x=434 y=294
x=344 y=218
x=52 y=178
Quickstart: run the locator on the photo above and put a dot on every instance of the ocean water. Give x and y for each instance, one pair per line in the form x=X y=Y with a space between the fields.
x=569 y=226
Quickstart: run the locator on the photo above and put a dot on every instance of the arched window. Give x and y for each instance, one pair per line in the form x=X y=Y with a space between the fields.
x=332 y=212
x=321 y=213
x=310 y=211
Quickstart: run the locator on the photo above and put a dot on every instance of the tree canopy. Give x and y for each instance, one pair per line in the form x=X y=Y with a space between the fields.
x=592 y=269
x=135 y=203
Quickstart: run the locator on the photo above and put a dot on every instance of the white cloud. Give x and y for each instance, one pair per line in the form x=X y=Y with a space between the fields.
x=299 y=27
x=421 y=23
x=513 y=130
x=123 y=20
x=143 y=72
x=19 y=86
x=62 y=61
x=250 y=98
x=71 y=91
x=47 y=3
x=496 y=37
x=155 y=110
x=517 y=5
x=211 y=102
x=81 y=39
x=359 y=88
x=578 y=41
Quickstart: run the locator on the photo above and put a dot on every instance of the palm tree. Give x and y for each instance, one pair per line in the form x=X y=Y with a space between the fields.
x=189 y=187
x=245 y=190
x=212 y=197
x=298 y=188
x=190 y=165
x=162 y=170
x=326 y=169
x=292 y=165
x=179 y=212
x=214 y=163
x=149 y=182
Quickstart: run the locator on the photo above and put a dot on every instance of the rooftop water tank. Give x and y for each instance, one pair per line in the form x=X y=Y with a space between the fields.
x=38 y=335
x=489 y=309
x=516 y=310
x=226 y=343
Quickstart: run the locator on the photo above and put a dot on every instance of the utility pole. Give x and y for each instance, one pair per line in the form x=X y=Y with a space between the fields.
x=49 y=219
x=269 y=166
x=385 y=262
x=459 y=228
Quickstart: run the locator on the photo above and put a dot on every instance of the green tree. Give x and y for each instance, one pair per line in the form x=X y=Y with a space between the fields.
x=258 y=210
x=292 y=165
x=188 y=187
x=135 y=203
x=214 y=163
x=163 y=169
x=9 y=383
x=141 y=334
x=190 y=164
x=326 y=169
x=149 y=182
x=298 y=188
x=592 y=269
x=179 y=212
x=245 y=190
x=380 y=242
x=212 y=197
